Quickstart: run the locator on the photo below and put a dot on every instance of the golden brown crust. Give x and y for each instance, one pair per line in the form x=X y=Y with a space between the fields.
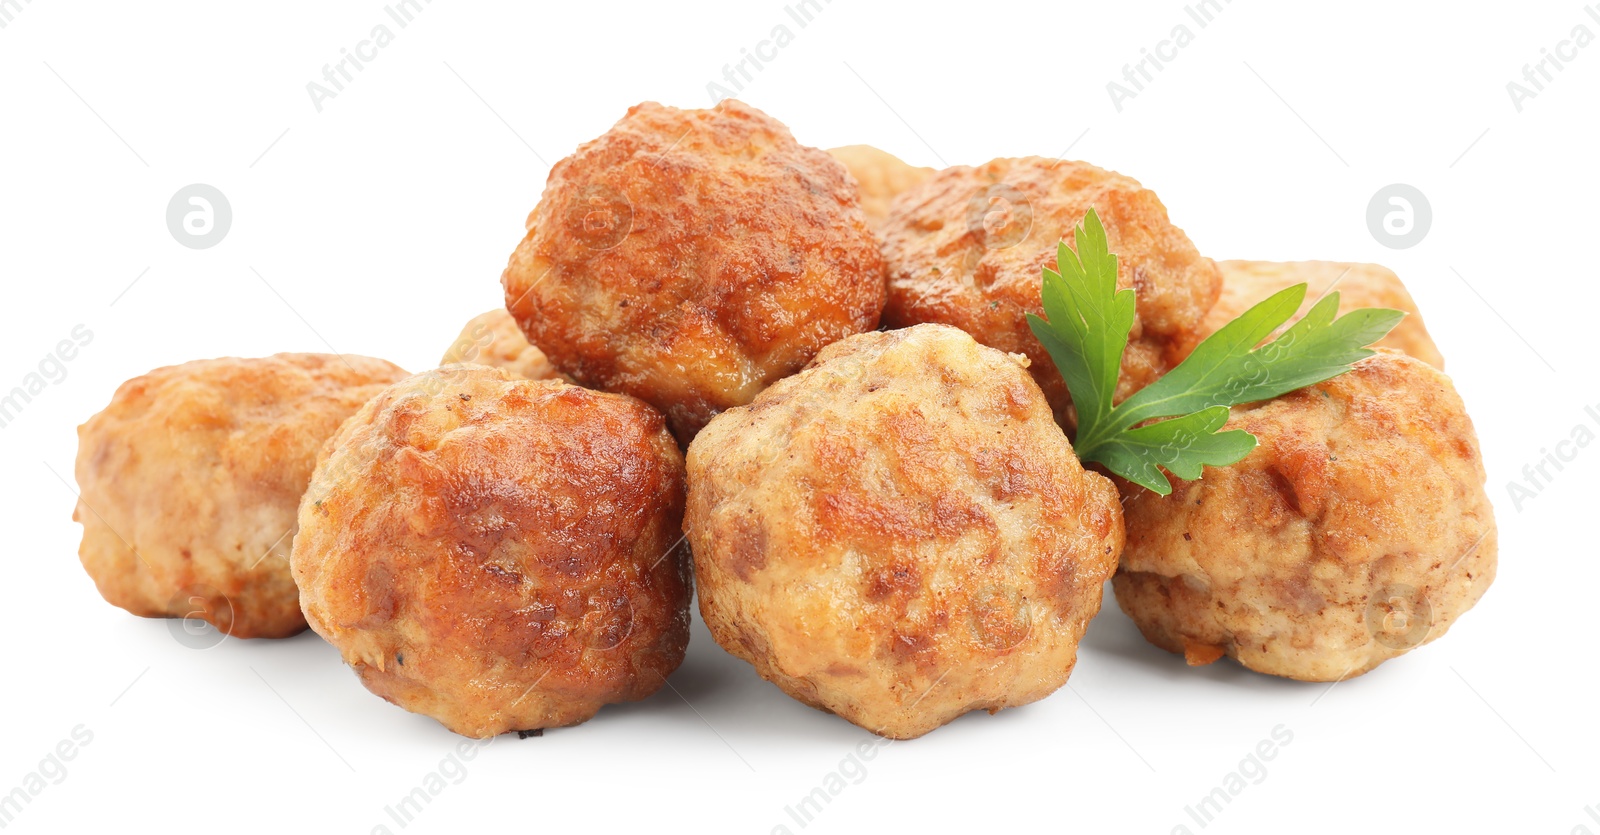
x=1244 y=283
x=692 y=257
x=199 y=469
x=966 y=248
x=1357 y=530
x=900 y=533
x=499 y=554
x=493 y=339
x=880 y=176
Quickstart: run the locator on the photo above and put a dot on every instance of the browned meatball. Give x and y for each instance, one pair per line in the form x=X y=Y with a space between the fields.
x=499 y=554
x=900 y=533
x=967 y=248
x=1357 y=530
x=1247 y=283
x=494 y=339
x=191 y=478
x=690 y=258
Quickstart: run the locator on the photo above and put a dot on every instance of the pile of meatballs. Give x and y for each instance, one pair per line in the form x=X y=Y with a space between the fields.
x=801 y=386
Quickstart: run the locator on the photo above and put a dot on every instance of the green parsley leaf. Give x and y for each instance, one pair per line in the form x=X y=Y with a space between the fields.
x=1087 y=331
x=1181 y=445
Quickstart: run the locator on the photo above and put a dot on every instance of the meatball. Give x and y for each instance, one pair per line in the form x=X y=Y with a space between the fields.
x=191 y=477
x=1245 y=283
x=499 y=554
x=901 y=533
x=494 y=339
x=691 y=258
x=1357 y=530
x=881 y=176
x=967 y=248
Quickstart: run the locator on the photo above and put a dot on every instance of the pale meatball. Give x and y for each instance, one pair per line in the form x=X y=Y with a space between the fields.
x=901 y=533
x=1356 y=531
x=499 y=554
x=494 y=339
x=191 y=477
x=691 y=258
x=967 y=248
x=1245 y=283
x=881 y=176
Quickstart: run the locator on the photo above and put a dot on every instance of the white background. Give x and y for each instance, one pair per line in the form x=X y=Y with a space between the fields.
x=379 y=225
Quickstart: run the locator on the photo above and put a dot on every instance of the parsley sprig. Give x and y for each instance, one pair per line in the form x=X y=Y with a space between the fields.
x=1087 y=331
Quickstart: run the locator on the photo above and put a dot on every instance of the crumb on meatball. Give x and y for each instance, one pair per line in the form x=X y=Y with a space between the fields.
x=1357 y=530
x=494 y=339
x=880 y=175
x=499 y=554
x=967 y=248
x=901 y=533
x=1247 y=283
x=691 y=258
x=191 y=477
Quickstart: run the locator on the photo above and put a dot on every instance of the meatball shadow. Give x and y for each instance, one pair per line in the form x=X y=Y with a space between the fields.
x=1113 y=637
x=729 y=695
x=197 y=636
